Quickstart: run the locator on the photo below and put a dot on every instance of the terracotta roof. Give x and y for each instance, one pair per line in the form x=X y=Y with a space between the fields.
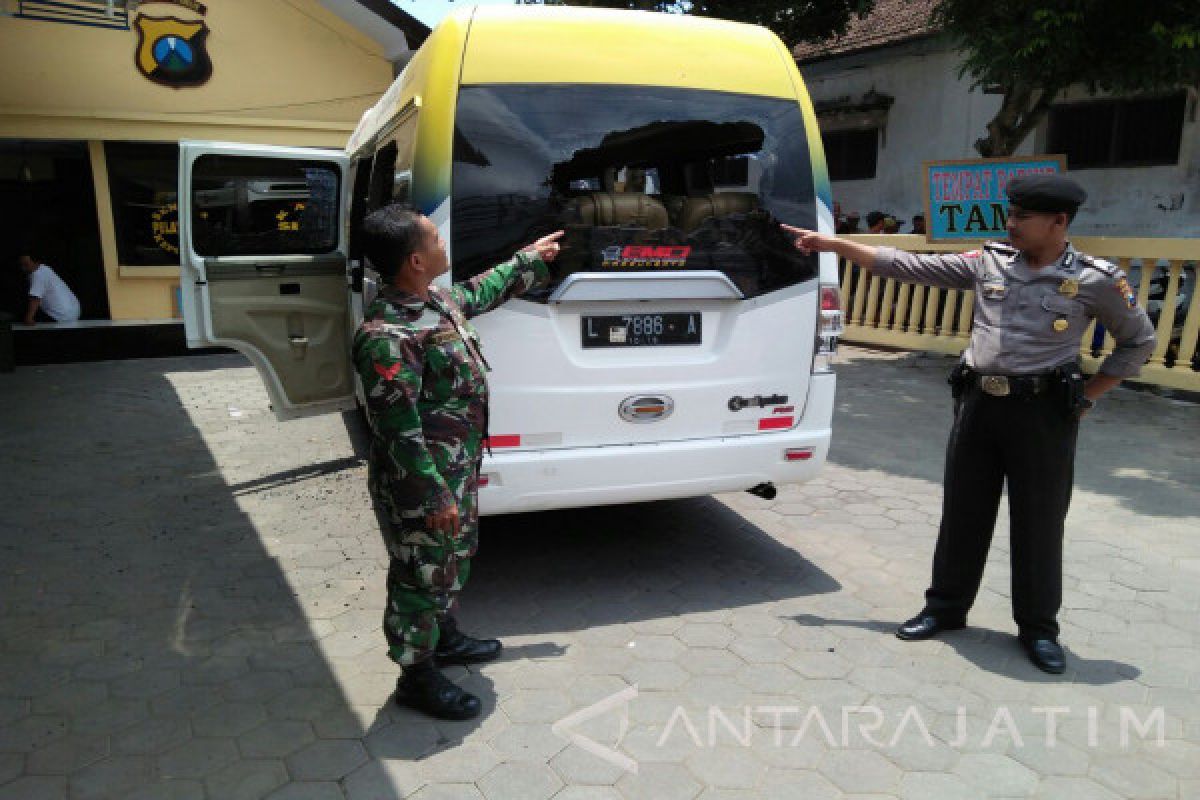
x=890 y=22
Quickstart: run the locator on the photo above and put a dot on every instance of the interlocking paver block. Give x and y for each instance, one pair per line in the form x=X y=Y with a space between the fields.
x=326 y=760
x=322 y=790
x=197 y=758
x=67 y=754
x=449 y=791
x=229 y=719
x=860 y=771
x=727 y=767
x=1133 y=778
x=380 y=778
x=1060 y=788
x=520 y=781
x=785 y=784
x=528 y=742
x=111 y=778
x=154 y=735
x=275 y=739
x=247 y=780
x=465 y=763
x=168 y=790
x=252 y=638
x=935 y=786
x=35 y=788
x=659 y=782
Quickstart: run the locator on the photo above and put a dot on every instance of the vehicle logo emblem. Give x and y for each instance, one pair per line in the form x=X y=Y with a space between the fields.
x=646 y=408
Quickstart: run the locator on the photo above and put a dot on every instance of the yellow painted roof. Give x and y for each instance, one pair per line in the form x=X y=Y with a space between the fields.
x=548 y=44
x=562 y=44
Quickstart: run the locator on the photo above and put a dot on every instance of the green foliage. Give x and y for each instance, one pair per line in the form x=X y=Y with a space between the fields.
x=1108 y=45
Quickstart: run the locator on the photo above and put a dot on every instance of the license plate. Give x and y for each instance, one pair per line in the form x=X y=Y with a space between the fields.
x=642 y=330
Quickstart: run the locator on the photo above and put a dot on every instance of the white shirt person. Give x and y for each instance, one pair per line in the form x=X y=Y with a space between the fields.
x=48 y=293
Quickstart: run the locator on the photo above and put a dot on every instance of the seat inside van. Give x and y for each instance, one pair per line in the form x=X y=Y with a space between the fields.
x=604 y=209
x=695 y=210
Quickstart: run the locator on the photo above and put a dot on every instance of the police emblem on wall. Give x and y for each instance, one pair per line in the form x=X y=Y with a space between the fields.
x=172 y=51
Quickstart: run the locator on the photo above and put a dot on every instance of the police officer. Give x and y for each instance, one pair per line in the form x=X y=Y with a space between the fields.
x=1019 y=398
x=424 y=377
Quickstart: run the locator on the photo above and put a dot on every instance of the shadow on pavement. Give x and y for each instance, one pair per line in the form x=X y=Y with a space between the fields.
x=149 y=642
x=565 y=570
x=894 y=414
x=997 y=652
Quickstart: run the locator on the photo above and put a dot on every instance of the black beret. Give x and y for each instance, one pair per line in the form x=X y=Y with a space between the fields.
x=1051 y=193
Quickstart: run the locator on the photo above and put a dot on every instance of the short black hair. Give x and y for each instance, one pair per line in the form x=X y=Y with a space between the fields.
x=388 y=236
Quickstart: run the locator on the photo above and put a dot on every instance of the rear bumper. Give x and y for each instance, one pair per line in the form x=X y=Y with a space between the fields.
x=592 y=476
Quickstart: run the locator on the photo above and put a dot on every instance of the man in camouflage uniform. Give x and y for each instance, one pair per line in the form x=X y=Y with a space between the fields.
x=423 y=374
x=1020 y=395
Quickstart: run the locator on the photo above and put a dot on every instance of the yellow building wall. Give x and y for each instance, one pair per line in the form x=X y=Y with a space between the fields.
x=284 y=72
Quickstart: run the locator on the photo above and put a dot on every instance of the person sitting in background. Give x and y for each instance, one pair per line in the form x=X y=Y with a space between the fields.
x=875 y=221
x=50 y=299
x=918 y=224
x=890 y=225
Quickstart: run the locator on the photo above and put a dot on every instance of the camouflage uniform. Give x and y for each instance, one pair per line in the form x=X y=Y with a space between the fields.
x=424 y=378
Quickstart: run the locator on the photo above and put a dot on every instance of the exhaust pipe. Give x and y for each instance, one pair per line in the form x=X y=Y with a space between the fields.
x=764 y=490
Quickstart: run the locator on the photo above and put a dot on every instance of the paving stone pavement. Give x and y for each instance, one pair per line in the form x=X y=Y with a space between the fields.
x=190 y=597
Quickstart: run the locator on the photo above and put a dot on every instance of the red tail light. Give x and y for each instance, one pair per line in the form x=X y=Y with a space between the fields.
x=798 y=454
x=503 y=440
x=831 y=298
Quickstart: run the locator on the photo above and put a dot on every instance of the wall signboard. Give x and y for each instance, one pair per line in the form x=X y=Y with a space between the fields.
x=965 y=199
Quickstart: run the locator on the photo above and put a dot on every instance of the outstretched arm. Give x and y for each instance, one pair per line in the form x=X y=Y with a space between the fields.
x=516 y=276
x=813 y=242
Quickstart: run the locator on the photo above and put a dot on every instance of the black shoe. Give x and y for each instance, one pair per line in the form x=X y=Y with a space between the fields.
x=423 y=687
x=1046 y=654
x=456 y=648
x=924 y=626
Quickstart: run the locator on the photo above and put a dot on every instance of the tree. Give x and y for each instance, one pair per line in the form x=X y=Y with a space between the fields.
x=794 y=22
x=1032 y=50
x=1029 y=51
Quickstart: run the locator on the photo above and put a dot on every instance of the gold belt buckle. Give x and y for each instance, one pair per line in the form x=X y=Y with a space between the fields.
x=995 y=385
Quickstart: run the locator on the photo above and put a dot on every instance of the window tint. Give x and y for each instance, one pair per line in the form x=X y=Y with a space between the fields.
x=263 y=206
x=142 y=181
x=1118 y=133
x=641 y=178
x=391 y=177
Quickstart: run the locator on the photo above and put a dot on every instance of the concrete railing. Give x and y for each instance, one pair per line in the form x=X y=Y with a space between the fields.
x=896 y=314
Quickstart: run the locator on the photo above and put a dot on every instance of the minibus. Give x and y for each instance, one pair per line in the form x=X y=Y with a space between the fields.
x=682 y=346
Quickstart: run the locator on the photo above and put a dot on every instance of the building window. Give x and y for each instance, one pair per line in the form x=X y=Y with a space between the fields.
x=851 y=155
x=1139 y=132
x=141 y=182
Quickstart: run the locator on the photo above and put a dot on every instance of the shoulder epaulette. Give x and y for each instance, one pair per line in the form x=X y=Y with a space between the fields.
x=1001 y=247
x=1098 y=264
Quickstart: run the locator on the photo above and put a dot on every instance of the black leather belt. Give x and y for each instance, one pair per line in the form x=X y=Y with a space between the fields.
x=1019 y=385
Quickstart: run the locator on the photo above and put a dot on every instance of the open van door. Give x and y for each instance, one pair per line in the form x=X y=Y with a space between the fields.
x=262 y=235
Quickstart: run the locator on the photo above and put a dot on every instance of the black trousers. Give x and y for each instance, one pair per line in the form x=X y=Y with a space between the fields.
x=1028 y=443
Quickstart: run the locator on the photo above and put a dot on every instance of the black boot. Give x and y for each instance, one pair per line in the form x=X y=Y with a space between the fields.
x=455 y=647
x=423 y=687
